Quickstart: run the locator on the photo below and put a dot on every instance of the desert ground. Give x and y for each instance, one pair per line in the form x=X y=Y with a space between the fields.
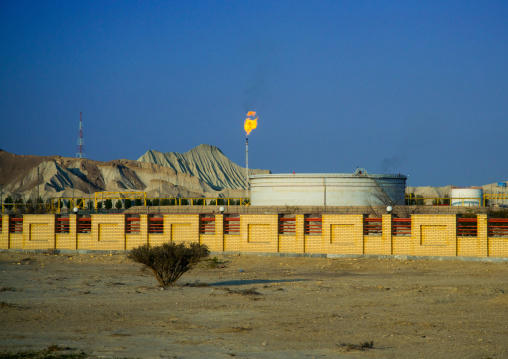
x=250 y=306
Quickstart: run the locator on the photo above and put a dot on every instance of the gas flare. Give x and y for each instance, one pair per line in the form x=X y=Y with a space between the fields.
x=250 y=123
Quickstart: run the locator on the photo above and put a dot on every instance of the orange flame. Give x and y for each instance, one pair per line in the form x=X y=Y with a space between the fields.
x=250 y=124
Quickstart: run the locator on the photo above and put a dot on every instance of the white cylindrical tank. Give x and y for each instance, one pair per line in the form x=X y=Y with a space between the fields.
x=467 y=197
x=327 y=189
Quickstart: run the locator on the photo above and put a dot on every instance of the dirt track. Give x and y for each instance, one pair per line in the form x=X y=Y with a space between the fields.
x=255 y=307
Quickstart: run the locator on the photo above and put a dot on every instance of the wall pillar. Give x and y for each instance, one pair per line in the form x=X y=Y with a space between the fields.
x=387 y=230
x=483 y=236
x=143 y=230
x=219 y=230
x=73 y=231
x=4 y=236
x=300 y=232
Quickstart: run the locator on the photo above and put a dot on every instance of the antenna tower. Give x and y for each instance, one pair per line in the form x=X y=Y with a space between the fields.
x=81 y=142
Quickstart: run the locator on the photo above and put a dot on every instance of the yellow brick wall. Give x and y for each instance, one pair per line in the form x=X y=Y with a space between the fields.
x=215 y=242
x=342 y=234
x=401 y=245
x=4 y=236
x=137 y=239
x=386 y=245
x=38 y=231
x=259 y=233
x=482 y=245
x=293 y=243
x=68 y=240
x=431 y=235
x=498 y=247
x=108 y=232
x=181 y=228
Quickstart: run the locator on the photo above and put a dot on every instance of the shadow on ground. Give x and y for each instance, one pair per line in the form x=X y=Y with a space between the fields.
x=256 y=281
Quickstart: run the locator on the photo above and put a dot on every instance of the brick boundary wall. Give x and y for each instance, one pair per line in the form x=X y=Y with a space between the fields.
x=430 y=235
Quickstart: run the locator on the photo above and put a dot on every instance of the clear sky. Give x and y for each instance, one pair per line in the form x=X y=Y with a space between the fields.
x=412 y=87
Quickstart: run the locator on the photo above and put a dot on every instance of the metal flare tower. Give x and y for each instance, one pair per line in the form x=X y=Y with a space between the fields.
x=81 y=142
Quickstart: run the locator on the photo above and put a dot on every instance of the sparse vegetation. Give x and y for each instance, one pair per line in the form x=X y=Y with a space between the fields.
x=289 y=209
x=169 y=261
x=214 y=263
x=51 y=352
x=250 y=291
x=361 y=346
x=4 y=304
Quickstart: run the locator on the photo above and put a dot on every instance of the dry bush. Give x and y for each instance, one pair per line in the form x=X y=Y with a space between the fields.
x=362 y=346
x=169 y=261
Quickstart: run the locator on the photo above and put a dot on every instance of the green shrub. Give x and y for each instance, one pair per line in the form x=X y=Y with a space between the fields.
x=169 y=261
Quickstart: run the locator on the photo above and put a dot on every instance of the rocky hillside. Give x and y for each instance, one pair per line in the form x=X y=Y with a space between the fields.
x=203 y=171
x=205 y=162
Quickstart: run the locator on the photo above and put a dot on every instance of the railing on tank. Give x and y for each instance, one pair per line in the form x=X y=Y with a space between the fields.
x=155 y=224
x=1 y=224
x=16 y=224
x=232 y=224
x=287 y=225
x=132 y=225
x=373 y=226
x=207 y=224
x=467 y=227
x=62 y=225
x=313 y=225
x=401 y=226
x=84 y=225
x=498 y=227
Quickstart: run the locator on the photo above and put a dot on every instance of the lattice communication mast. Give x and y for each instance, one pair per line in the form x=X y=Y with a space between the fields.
x=81 y=142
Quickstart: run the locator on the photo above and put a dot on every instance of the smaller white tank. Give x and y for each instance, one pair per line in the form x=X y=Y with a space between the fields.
x=472 y=196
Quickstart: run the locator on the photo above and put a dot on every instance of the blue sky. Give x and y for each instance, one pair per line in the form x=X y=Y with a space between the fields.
x=412 y=87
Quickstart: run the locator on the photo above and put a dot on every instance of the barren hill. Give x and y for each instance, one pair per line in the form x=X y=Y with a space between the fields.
x=206 y=162
x=203 y=171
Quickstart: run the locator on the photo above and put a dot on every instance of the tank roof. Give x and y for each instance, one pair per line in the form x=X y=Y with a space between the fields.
x=329 y=175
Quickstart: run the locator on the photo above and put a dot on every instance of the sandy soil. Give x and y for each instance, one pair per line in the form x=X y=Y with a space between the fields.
x=255 y=307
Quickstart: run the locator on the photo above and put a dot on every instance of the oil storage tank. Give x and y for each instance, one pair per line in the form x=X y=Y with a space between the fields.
x=327 y=189
x=472 y=196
